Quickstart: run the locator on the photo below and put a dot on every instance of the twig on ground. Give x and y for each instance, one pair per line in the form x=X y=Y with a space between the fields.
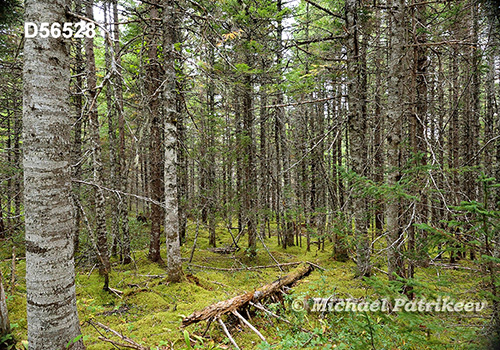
x=245 y=268
x=133 y=344
x=224 y=328
x=249 y=325
x=315 y=265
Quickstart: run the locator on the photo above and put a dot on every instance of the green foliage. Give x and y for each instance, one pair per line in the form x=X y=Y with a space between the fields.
x=187 y=340
x=10 y=12
x=73 y=341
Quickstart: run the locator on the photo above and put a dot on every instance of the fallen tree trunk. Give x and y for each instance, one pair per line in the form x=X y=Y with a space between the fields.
x=230 y=305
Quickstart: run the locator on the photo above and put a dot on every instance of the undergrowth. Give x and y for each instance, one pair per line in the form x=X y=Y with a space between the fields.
x=150 y=310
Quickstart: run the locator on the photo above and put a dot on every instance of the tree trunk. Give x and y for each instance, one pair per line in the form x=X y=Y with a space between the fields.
x=4 y=313
x=378 y=129
x=111 y=111
x=263 y=164
x=123 y=174
x=182 y=174
x=418 y=136
x=174 y=263
x=280 y=119
x=78 y=123
x=155 y=149
x=250 y=178
x=395 y=111
x=100 y=203
x=210 y=134
x=49 y=221
x=357 y=134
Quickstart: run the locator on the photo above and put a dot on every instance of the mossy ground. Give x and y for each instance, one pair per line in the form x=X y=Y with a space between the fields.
x=150 y=310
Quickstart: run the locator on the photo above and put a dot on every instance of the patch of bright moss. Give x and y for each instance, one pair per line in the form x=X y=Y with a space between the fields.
x=150 y=309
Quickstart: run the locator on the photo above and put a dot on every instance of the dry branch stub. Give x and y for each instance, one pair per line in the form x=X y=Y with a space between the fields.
x=229 y=305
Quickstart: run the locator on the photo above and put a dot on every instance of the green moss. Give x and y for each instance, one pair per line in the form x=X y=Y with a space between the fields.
x=150 y=309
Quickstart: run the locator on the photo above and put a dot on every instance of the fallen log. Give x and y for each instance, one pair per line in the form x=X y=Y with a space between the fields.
x=228 y=306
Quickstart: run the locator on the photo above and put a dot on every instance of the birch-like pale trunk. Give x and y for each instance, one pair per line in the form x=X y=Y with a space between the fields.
x=50 y=278
x=4 y=312
x=174 y=263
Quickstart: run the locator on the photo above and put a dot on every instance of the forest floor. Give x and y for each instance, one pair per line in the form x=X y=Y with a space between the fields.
x=150 y=310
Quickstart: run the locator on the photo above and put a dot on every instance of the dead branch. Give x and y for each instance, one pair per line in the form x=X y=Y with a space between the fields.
x=131 y=344
x=233 y=269
x=238 y=302
x=118 y=192
x=249 y=325
x=333 y=14
x=224 y=328
x=114 y=342
x=117 y=292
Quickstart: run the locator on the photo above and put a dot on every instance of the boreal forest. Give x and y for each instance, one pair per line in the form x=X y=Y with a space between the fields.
x=249 y=174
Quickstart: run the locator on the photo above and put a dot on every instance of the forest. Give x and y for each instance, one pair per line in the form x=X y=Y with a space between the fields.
x=249 y=174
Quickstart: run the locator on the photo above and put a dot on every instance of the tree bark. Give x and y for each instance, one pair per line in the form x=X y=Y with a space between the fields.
x=113 y=142
x=49 y=221
x=156 y=145
x=357 y=85
x=281 y=127
x=4 y=312
x=395 y=111
x=250 y=176
x=123 y=170
x=99 y=201
x=174 y=263
x=78 y=123
x=418 y=137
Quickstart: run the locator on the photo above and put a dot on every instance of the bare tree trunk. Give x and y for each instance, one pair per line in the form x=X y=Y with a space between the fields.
x=281 y=129
x=357 y=86
x=174 y=263
x=418 y=136
x=123 y=170
x=49 y=220
x=378 y=141
x=454 y=143
x=395 y=111
x=250 y=178
x=278 y=183
x=100 y=203
x=78 y=123
x=264 y=187
x=182 y=178
x=475 y=114
x=239 y=168
x=155 y=150
x=210 y=134
x=111 y=111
